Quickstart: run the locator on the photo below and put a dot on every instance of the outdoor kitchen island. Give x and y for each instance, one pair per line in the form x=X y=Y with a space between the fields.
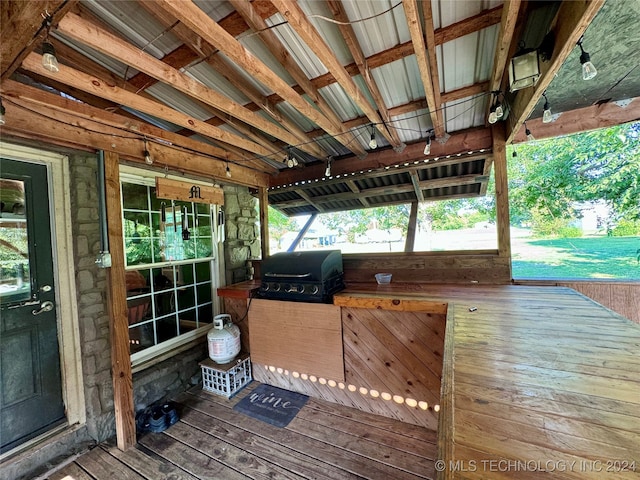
x=533 y=378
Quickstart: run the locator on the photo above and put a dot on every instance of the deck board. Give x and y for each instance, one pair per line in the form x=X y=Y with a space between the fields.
x=212 y=441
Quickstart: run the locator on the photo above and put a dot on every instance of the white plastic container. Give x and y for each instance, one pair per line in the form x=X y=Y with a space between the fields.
x=223 y=339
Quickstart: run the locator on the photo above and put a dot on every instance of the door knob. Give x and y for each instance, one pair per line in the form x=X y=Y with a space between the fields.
x=45 y=307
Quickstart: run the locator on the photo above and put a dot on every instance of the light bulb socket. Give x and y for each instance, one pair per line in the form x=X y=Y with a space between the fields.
x=48 y=48
x=499 y=111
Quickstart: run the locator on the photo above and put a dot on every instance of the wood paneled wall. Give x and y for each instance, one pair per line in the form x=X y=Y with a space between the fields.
x=393 y=366
x=431 y=267
x=621 y=297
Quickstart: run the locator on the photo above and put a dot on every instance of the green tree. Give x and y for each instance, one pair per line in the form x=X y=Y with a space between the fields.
x=548 y=178
x=280 y=224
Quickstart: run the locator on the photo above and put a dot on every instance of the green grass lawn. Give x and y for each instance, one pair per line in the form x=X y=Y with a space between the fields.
x=586 y=257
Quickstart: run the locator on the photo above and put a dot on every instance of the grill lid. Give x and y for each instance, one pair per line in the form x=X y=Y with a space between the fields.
x=313 y=266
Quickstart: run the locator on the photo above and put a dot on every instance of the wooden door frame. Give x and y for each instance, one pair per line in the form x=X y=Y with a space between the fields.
x=58 y=177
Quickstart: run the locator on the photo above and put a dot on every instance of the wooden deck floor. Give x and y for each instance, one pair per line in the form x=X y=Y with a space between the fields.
x=211 y=441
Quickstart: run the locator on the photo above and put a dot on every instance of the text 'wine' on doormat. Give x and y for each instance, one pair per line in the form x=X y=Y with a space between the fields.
x=273 y=405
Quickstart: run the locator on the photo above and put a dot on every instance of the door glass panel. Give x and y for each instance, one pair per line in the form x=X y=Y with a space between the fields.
x=15 y=277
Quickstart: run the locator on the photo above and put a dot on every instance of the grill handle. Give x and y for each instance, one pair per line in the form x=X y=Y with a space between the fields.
x=285 y=275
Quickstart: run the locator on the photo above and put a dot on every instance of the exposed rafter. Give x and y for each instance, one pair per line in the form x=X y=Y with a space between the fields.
x=307 y=32
x=420 y=51
x=430 y=41
x=189 y=14
x=365 y=72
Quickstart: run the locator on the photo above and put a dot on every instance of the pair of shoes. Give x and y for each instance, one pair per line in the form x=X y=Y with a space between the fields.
x=157 y=418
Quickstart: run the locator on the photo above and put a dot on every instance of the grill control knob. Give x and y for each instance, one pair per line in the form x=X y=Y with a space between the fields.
x=314 y=289
x=276 y=287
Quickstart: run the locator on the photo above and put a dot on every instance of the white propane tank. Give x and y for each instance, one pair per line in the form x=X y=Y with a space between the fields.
x=223 y=339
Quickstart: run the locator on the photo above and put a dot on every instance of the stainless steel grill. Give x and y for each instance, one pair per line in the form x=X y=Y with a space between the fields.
x=302 y=276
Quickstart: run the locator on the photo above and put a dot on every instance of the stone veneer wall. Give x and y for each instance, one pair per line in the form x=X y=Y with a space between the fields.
x=242 y=232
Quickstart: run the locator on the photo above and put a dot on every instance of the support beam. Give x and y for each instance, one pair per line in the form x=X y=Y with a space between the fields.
x=192 y=16
x=430 y=42
x=475 y=140
x=415 y=180
x=37 y=115
x=502 y=193
x=420 y=50
x=95 y=86
x=117 y=306
x=409 y=244
x=303 y=231
x=264 y=221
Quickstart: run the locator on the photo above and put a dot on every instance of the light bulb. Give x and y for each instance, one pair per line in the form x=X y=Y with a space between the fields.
x=147 y=158
x=373 y=143
x=427 y=147
x=228 y=172
x=327 y=172
x=529 y=135
x=499 y=111
x=546 y=114
x=49 y=60
x=295 y=162
x=588 y=71
x=493 y=116
x=289 y=162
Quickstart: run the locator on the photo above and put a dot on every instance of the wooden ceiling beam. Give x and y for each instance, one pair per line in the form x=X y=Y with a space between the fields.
x=354 y=188
x=386 y=190
x=583 y=120
x=570 y=22
x=298 y=21
x=207 y=52
x=134 y=126
x=23 y=29
x=430 y=42
x=505 y=39
x=189 y=14
x=87 y=33
x=415 y=181
x=365 y=72
x=442 y=35
x=50 y=122
x=256 y=21
x=94 y=86
x=475 y=140
x=421 y=165
x=420 y=51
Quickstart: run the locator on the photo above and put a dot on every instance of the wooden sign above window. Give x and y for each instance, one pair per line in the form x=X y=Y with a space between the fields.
x=188 y=192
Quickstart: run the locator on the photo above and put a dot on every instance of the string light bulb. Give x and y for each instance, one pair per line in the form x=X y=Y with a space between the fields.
x=373 y=143
x=2 y=112
x=528 y=133
x=588 y=69
x=493 y=115
x=49 y=60
x=546 y=114
x=147 y=156
x=327 y=171
x=427 y=147
x=228 y=171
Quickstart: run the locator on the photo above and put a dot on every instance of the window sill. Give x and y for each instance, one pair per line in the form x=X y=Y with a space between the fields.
x=154 y=355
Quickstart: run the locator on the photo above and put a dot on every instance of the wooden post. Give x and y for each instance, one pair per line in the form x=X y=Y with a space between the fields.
x=264 y=222
x=502 y=193
x=117 y=307
x=409 y=244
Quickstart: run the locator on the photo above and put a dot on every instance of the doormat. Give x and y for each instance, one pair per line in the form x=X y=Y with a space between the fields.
x=272 y=405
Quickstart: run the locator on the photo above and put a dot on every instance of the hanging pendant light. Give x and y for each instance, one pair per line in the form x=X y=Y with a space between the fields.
x=528 y=133
x=49 y=60
x=373 y=143
x=588 y=69
x=546 y=113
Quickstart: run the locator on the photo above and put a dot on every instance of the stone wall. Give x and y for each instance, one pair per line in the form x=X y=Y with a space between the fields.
x=242 y=232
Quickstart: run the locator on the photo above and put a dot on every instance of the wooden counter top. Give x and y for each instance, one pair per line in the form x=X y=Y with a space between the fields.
x=239 y=290
x=535 y=380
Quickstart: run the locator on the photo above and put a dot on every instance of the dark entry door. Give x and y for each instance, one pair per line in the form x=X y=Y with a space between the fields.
x=30 y=384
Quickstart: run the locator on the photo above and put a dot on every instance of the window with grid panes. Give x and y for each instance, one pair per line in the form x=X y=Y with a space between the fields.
x=170 y=276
